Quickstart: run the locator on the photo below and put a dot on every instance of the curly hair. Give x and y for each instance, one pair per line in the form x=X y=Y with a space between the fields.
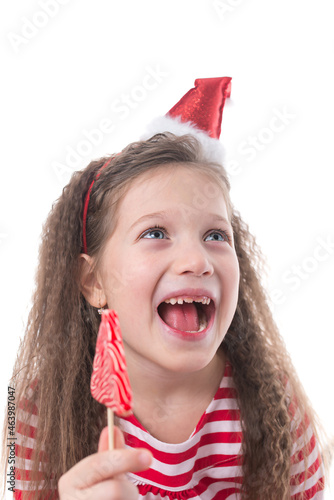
x=59 y=344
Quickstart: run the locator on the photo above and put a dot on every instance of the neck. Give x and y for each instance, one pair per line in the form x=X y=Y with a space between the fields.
x=170 y=404
x=151 y=383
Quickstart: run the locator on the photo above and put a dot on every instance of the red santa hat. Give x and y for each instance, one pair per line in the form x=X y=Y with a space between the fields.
x=199 y=112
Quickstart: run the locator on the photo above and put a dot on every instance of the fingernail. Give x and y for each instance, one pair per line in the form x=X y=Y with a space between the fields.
x=145 y=458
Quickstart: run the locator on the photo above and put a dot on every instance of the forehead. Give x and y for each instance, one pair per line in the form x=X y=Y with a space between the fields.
x=171 y=188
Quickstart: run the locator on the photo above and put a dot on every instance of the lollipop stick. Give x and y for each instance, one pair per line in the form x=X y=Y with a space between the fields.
x=111 y=428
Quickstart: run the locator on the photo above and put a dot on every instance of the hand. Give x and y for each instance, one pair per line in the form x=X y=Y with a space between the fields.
x=101 y=476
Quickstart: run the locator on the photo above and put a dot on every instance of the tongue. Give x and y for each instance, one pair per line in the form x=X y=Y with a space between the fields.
x=182 y=317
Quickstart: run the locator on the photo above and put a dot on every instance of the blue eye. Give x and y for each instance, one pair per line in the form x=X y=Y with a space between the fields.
x=155 y=233
x=218 y=236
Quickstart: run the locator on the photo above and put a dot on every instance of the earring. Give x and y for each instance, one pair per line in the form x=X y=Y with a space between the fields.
x=100 y=310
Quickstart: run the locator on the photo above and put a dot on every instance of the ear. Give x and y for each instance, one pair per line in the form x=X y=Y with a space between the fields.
x=90 y=284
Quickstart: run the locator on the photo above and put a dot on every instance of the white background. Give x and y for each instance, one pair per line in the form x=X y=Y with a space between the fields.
x=66 y=70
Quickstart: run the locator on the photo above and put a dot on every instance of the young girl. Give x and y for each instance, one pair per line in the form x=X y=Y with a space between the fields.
x=218 y=410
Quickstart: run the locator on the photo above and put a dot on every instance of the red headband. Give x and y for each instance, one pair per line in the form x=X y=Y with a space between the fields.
x=85 y=210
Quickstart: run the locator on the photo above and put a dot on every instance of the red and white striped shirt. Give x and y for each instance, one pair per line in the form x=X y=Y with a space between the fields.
x=207 y=466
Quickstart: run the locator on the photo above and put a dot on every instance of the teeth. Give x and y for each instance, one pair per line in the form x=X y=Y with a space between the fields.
x=204 y=300
x=203 y=323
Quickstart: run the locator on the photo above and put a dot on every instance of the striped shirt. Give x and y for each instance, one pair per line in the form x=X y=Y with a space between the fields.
x=207 y=466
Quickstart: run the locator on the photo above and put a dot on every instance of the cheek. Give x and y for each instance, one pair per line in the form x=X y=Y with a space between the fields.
x=129 y=279
x=116 y=281
x=232 y=278
x=236 y=271
x=236 y=274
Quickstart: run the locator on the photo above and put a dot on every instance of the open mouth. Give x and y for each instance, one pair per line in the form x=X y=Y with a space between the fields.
x=187 y=314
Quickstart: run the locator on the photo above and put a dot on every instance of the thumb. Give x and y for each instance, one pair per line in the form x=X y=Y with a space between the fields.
x=104 y=439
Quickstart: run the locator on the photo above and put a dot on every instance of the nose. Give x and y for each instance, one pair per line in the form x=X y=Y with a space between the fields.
x=192 y=258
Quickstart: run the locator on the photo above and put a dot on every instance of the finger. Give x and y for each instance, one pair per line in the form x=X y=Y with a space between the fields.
x=105 y=465
x=111 y=490
x=118 y=438
x=104 y=439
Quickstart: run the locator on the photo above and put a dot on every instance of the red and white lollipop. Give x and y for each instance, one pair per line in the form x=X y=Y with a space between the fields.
x=110 y=383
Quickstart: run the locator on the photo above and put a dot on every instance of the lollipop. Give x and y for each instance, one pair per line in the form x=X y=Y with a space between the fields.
x=110 y=383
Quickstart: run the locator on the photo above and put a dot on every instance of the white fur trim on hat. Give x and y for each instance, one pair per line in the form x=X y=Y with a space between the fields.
x=212 y=148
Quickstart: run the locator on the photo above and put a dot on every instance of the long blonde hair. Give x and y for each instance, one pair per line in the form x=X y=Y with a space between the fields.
x=59 y=344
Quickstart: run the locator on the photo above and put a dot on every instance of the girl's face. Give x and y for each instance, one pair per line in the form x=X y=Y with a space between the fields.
x=172 y=243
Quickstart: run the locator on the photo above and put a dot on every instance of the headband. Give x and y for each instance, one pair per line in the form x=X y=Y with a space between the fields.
x=199 y=112
x=85 y=210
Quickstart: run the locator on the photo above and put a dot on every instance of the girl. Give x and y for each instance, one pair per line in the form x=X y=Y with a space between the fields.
x=218 y=409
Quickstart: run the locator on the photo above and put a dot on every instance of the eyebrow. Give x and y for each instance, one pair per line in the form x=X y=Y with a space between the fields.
x=161 y=215
x=220 y=218
x=147 y=217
